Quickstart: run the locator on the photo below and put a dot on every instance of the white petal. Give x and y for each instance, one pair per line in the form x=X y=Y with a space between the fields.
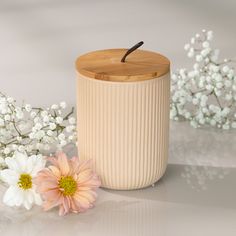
x=9 y=196
x=19 y=197
x=9 y=176
x=10 y=202
x=27 y=205
x=30 y=164
x=37 y=199
x=12 y=163
x=39 y=164
x=22 y=161
x=29 y=196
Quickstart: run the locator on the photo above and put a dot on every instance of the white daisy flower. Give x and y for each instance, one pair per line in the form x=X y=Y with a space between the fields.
x=19 y=176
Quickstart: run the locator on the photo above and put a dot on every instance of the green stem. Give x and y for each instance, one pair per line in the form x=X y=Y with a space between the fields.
x=69 y=114
x=217 y=99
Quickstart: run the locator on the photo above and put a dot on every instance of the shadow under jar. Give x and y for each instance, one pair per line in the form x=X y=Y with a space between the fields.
x=123 y=116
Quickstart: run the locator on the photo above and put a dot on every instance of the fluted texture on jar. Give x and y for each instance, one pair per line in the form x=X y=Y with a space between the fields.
x=124 y=128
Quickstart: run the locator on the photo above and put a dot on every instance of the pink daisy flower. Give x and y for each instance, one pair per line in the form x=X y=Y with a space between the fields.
x=68 y=183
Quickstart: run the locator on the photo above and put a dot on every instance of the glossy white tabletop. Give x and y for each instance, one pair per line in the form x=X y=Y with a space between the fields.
x=176 y=205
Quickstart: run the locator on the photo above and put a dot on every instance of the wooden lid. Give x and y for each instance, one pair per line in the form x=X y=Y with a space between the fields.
x=106 y=65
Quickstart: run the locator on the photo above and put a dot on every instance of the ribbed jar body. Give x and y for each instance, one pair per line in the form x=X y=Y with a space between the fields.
x=124 y=128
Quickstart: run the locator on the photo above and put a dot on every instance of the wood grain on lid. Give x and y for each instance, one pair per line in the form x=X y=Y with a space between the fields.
x=106 y=65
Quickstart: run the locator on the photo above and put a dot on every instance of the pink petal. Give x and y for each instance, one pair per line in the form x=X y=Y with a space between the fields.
x=45 y=174
x=55 y=171
x=54 y=161
x=52 y=194
x=85 y=165
x=88 y=195
x=47 y=205
x=92 y=181
x=62 y=211
x=66 y=205
x=84 y=176
x=63 y=163
x=45 y=182
x=83 y=201
x=74 y=162
x=74 y=206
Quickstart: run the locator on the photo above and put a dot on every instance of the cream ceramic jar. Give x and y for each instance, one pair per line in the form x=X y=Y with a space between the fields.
x=123 y=116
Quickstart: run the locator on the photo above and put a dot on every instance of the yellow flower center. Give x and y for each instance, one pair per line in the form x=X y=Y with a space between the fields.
x=25 y=181
x=68 y=184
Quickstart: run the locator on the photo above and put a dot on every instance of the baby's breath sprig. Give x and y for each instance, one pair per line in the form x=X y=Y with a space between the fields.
x=33 y=130
x=206 y=94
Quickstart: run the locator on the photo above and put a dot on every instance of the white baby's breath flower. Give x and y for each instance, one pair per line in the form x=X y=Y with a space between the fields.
x=63 y=105
x=19 y=114
x=174 y=77
x=10 y=99
x=218 y=93
x=1 y=122
x=46 y=147
x=44 y=113
x=228 y=83
x=219 y=85
x=21 y=148
x=59 y=120
x=38 y=126
x=63 y=143
x=46 y=119
x=2 y=162
x=187 y=115
x=209 y=35
x=190 y=54
x=194 y=124
x=7 y=117
x=225 y=69
x=61 y=136
x=37 y=120
x=19 y=138
x=228 y=97
x=225 y=126
x=205 y=44
x=186 y=47
x=212 y=122
x=71 y=138
x=209 y=87
x=234 y=125
x=199 y=58
x=204 y=53
x=50 y=133
x=69 y=128
x=52 y=126
x=54 y=107
x=33 y=114
x=173 y=112
x=19 y=176
x=39 y=135
x=29 y=148
x=7 y=150
x=28 y=107
x=72 y=120
x=192 y=40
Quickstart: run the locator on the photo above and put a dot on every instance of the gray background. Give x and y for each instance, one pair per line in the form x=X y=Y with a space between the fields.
x=40 y=40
